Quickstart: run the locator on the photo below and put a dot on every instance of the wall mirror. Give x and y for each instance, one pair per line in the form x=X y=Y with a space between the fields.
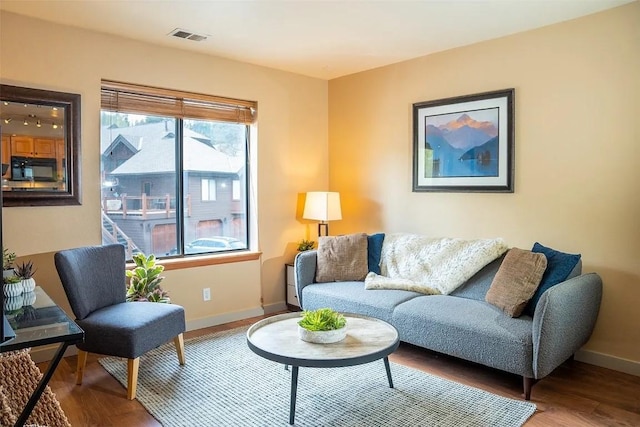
x=40 y=147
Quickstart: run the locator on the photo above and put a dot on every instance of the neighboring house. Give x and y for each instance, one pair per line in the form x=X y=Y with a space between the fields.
x=139 y=188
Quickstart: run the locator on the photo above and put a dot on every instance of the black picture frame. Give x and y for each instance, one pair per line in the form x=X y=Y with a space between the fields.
x=464 y=143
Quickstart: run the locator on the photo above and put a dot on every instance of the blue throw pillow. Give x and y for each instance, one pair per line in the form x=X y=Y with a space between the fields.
x=559 y=266
x=374 y=251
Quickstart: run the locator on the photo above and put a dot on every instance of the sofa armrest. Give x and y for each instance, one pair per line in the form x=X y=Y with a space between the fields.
x=304 y=271
x=564 y=320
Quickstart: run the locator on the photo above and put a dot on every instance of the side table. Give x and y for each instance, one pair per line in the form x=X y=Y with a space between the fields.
x=46 y=324
x=290 y=282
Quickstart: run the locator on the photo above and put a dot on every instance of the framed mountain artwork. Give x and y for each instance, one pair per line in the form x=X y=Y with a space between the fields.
x=464 y=144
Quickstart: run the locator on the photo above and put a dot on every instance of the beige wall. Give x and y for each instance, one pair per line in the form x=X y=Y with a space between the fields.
x=577 y=137
x=577 y=98
x=292 y=131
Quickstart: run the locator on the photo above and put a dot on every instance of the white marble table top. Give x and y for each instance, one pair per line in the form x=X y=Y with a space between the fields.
x=276 y=338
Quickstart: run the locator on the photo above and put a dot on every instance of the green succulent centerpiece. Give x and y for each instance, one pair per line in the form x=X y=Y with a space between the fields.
x=144 y=280
x=322 y=326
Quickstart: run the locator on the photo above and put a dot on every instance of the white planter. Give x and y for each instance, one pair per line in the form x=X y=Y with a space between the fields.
x=13 y=303
x=12 y=289
x=322 y=337
x=28 y=285
x=29 y=298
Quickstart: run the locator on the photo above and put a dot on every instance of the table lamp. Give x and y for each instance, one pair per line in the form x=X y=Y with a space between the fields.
x=322 y=206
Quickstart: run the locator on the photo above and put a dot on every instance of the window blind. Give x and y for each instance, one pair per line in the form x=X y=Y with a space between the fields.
x=136 y=99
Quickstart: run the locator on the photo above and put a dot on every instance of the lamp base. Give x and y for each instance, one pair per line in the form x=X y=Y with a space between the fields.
x=322 y=225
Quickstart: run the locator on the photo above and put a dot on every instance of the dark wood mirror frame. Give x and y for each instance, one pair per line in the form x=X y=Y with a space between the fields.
x=70 y=103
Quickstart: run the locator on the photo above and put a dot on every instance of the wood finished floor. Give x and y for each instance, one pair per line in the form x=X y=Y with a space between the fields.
x=575 y=394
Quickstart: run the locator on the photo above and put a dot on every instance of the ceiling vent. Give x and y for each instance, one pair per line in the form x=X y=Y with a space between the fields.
x=184 y=34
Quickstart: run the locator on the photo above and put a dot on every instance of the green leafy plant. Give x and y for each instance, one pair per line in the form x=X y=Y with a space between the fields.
x=11 y=279
x=144 y=280
x=322 y=319
x=25 y=270
x=8 y=259
x=305 y=245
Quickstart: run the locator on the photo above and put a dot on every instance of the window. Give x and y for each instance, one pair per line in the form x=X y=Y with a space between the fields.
x=208 y=189
x=236 y=190
x=175 y=170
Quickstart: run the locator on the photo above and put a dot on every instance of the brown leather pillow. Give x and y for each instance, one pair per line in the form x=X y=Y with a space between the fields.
x=516 y=281
x=342 y=258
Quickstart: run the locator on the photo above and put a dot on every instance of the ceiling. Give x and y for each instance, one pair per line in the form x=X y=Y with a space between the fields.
x=322 y=39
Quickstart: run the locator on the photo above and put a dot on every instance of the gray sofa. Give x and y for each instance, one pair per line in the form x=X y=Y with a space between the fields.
x=463 y=325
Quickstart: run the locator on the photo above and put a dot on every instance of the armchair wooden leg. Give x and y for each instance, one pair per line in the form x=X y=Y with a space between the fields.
x=132 y=377
x=179 y=342
x=82 y=361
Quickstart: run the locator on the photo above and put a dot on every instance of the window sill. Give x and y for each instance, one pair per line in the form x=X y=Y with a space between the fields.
x=205 y=260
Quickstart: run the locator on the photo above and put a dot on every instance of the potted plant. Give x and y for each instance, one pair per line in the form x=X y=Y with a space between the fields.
x=305 y=245
x=144 y=283
x=8 y=259
x=12 y=287
x=25 y=272
x=323 y=326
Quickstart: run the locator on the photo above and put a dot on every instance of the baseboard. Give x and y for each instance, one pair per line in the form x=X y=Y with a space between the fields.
x=46 y=353
x=610 y=362
x=275 y=308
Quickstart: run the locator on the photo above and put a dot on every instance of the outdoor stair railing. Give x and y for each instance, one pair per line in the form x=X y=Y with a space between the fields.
x=114 y=234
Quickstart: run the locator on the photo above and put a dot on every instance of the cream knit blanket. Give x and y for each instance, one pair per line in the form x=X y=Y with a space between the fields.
x=429 y=265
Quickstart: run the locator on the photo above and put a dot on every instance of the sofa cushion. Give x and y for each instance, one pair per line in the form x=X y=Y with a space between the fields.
x=342 y=258
x=516 y=281
x=374 y=251
x=107 y=334
x=469 y=329
x=560 y=266
x=478 y=285
x=352 y=297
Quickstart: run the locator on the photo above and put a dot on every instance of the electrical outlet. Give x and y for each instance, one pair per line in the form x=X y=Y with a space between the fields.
x=206 y=294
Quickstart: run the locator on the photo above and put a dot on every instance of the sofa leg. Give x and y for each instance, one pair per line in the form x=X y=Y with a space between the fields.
x=527 y=384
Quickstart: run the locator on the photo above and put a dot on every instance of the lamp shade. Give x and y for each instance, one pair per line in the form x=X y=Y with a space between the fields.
x=322 y=206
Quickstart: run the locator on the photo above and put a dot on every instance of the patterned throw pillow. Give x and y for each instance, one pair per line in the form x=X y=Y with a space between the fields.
x=342 y=258
x=516 y=281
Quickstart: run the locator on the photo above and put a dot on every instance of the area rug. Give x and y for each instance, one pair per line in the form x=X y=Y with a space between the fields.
x=225 y=384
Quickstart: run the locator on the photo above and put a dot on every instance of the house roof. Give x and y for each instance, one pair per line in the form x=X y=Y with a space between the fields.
x=155 y=146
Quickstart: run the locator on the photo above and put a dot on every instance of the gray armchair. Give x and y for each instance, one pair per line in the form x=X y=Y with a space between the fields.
x=94 y=281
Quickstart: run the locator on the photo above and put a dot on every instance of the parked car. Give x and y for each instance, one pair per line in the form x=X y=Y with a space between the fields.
x=211 y=244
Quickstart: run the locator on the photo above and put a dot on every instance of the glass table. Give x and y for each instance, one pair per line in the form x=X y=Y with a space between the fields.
x=39 y=321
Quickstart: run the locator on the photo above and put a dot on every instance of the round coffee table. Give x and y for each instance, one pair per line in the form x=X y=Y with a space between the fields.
x=276 y=338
